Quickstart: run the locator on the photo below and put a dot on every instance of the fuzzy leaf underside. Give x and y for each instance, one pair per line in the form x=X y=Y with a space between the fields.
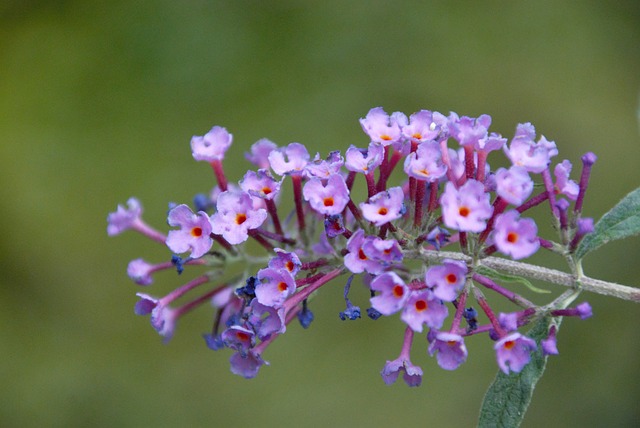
x=622 y=221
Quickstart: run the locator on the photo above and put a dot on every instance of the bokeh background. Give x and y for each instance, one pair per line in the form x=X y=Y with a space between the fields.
x=98 y=101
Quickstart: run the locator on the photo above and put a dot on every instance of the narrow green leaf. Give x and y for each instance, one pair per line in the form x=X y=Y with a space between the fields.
x=508 y=397
x=621 y=222
x=505 y=277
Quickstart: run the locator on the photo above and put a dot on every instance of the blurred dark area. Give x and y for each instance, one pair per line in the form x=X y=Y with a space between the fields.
x=98 y=102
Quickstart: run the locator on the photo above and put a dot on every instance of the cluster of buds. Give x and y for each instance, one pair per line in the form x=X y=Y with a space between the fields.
x=444 y=198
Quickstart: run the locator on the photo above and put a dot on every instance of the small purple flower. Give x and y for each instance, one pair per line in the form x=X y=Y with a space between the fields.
x=124 y=218
x=260 y=184
x=380 y=127
x=450 y=348
x=333 y=226
x=163 y=318
x=328 y=198
x=467 y=208
x=286 y=260
x=322 y=168
x=564 y=186
x=212 y=146
x=246 y=366
x=524 y=152
x=259 y=154
x=549 y=345
x=384 y=207
x=274 y=287
x=194 y=233
x=266 y=320
x=412 y=374
x=145 y=305
x=447 y=280
x=357 y=261
x=424 y=126
x=236 y=216
x=425 y=163
x=422 y=308
x=290 y=160
x=384 y=251
x=467 y=130
x=584 y=310
x=364 y=160
x=393 y=293
x=513 y=352
x=239 y=338
x=490 y=143
x=514 y=236
x=140 y=271
x=514 y=184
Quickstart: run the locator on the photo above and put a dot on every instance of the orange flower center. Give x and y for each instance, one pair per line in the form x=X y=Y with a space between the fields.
x=289 y=265
x=242 y=336
x=383 y=211
x=362 y=255
x=512 y=237
x=464 y=211
x=241 y=218
x=509 y=344
x=328 y=202
x=452 y=278
x=385 y=137
x=421 y=305
x=398 y=291
x=266 y=190
x=417 y=136
x=282 y=286
x=196 y=232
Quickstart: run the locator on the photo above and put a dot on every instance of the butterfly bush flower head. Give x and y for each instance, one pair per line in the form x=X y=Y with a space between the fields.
x=193 y=234
x=420 y=240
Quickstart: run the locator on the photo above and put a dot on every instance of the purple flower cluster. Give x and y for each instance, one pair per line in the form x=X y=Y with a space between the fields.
x=444 y=196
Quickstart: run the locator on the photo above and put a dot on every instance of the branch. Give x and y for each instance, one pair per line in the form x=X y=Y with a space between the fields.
x=541 y=273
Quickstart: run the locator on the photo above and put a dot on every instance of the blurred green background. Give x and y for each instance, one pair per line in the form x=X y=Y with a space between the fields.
x=98 y=101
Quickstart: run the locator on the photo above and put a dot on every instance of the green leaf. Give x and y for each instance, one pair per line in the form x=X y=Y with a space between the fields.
x=505 y=277
x=621 y=222
x=508 y=397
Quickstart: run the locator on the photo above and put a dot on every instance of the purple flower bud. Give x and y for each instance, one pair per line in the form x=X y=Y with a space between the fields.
x=212 y=146
x=514 y=236
x=466 y=209
x=384 y=207
x=508 y=321
x=194 y=233
x=450 y=348
x=513 y=352
x=584 y=310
